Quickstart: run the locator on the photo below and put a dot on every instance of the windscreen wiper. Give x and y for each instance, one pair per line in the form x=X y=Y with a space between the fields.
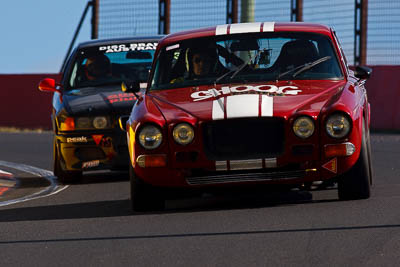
x=223 y=76
x=304 y=67
x=237 y=70
x=245 y=64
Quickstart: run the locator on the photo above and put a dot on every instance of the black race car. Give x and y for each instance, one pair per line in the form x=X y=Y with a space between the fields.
x=88 y=104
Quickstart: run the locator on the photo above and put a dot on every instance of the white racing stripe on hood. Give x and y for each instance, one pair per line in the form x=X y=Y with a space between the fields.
x=243 y=106
x=267 y=106
x=218 y=109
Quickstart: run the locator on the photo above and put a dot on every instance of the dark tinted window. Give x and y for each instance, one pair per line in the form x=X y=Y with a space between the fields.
x=110 y=64
x=246 y=57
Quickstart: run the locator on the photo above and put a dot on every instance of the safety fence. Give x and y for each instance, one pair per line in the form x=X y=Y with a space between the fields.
x=121 y=18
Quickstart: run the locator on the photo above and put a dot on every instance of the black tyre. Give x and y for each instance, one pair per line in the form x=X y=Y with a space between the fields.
x=63 y=176
x=144 y=197
x=355 y=184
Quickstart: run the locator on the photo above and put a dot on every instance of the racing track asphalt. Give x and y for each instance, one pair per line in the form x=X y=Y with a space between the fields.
x=91 y=224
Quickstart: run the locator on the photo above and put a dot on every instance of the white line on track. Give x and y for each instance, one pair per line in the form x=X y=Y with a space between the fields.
x=52 y=189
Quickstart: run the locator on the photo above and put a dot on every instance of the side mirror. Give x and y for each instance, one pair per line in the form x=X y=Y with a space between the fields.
x=49 y=85
x=130 y=86
x=362 y=72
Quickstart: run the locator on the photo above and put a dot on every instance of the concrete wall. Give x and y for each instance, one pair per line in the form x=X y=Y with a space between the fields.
x=384 y=96
x=22 y=105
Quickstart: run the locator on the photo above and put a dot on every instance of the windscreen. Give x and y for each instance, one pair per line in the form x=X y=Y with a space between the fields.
x=246 y=58
x=111 y=64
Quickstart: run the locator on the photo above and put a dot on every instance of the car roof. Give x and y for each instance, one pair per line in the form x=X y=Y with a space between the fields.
x=111 y=41
x=250 y=27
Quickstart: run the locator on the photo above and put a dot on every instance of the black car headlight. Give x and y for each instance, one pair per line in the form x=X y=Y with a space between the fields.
x=150 y=137
x=303 y=127
x=100 y=122
x=90 y=123
x=183 y=133
x=84 y=123
x=338 y=125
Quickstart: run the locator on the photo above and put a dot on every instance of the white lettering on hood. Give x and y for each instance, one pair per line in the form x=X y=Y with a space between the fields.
x=263 y=89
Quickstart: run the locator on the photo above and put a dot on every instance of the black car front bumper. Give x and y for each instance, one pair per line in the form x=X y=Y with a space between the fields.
x=86 y=151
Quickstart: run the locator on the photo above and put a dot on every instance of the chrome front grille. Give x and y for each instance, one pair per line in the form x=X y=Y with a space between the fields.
x=245 y=177
x=249 y=164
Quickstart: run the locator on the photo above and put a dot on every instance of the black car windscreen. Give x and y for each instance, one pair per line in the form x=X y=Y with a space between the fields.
x=109 y=64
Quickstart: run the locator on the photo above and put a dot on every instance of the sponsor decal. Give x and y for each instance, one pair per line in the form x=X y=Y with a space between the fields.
x=97 y=138
x=128 y=47
x=100 y=141
x=175 y=46
x=106 y=142
x=122 y=97
x=81 y=139
x=331 y=165
x=90 y=164
x=267 y=89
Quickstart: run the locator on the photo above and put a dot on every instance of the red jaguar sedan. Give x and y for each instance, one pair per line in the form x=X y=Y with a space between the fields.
x=250 y=104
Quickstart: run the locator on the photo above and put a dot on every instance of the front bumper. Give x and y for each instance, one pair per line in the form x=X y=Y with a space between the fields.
x=269 y=154
x=84 y=151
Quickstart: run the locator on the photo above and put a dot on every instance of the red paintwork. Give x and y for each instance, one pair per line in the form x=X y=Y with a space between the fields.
x=48 y=85
x=317 y=99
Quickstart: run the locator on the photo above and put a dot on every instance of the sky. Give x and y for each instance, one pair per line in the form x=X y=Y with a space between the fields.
x=36 y=34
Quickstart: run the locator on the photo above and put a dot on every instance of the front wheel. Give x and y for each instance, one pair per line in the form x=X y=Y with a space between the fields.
x=144 y=197
x=63 y=176
x=355 y=184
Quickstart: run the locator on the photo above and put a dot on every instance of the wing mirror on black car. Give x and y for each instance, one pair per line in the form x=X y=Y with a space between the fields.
x=49 y=85
x=129 y=86
x=362 y=72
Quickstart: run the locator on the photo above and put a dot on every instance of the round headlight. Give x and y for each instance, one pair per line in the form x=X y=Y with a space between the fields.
x=83 y=123
x=303 y=127
x=183 y=133
x=338 y=125
x=100 y=122
x=150 y=137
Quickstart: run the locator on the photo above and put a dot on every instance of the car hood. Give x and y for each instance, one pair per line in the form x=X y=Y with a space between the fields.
x=97 y=100
x=283 y=98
